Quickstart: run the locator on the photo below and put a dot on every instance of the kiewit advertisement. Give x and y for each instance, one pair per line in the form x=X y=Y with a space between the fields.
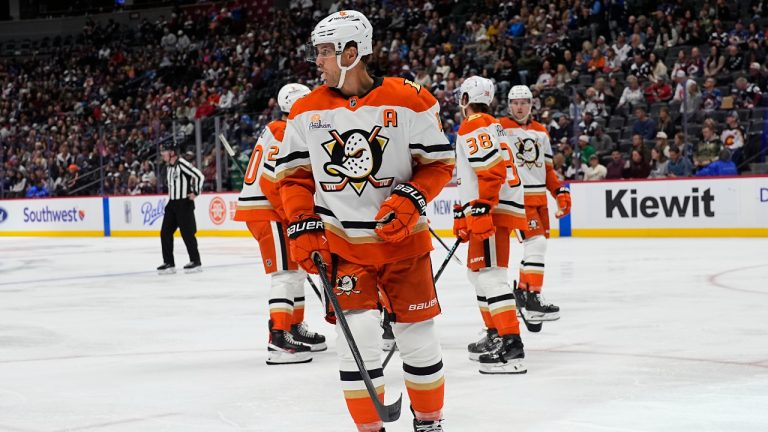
x=685 y=207
x=43 y=217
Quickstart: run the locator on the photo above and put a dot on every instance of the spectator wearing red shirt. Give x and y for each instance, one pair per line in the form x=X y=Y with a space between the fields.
x=660 y=91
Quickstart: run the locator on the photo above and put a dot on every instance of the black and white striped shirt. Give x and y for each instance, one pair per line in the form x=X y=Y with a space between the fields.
x=183 y=179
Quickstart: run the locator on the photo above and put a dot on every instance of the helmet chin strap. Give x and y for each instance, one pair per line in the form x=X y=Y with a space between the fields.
x=344 y=69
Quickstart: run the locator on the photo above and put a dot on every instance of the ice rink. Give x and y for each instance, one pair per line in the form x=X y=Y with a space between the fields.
x=655 y=335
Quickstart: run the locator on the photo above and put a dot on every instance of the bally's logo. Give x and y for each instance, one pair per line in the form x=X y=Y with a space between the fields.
x=356 y=157
x=316 y=122
x=151 y=213
x=3 y=215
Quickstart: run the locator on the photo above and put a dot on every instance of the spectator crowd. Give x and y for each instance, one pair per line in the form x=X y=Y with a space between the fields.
x=627 y=90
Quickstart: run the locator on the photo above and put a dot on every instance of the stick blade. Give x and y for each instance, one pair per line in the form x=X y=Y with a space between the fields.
x=390 y=413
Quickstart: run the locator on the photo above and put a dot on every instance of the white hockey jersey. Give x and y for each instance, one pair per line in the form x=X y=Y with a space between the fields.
x=351 y=152
x=532 y=152
x=485 y=171
x=253 y=203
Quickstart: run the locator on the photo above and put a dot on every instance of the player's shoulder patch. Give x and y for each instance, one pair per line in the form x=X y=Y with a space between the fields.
x=415 y=85
x=405 y=93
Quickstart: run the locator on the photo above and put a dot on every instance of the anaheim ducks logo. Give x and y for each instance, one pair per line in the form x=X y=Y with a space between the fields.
x=355 y=158
x=528 y=151
x=346 y=285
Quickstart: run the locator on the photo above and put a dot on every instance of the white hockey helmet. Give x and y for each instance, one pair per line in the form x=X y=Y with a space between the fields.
x=339 y=29
x=289 y=94
x=478 y=90
x=520 y=92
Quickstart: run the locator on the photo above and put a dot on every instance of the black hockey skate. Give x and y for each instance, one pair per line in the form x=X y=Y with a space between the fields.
x=193 y=267
x=520 y=299
x=166 y=269
x=283 y=349
x=302 y=335
x=537 y=309
x=485 y=345
x=507 y=358
x=427 y=425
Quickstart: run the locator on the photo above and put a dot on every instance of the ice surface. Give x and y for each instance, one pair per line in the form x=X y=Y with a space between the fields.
x=655 y=335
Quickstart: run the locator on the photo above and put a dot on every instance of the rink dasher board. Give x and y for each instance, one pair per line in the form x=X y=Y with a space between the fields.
x=693 y=207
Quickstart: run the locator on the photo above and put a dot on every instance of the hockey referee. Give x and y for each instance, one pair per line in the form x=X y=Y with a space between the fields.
x=184 y=184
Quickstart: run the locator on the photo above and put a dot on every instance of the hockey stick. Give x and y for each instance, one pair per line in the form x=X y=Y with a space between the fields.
x=451 y=252
x=231 y=152
x=434 y=234
x=388 y=413
x=314 y=288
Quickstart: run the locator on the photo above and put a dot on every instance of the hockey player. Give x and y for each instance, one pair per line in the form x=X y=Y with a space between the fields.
x=492 y=198
x=363 y=158
x=289 y=339
x=532 y=151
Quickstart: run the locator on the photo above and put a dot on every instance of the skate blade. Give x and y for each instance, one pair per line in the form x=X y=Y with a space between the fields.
x=511 y=367
x=534 y=317
x=284 y=357
x=193 y=270
x=317 y=347
x=166 y=271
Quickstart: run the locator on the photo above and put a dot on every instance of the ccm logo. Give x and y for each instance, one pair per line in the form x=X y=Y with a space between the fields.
x=421 y=306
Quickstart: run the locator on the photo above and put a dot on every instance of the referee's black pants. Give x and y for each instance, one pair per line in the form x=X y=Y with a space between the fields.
x=179 y=214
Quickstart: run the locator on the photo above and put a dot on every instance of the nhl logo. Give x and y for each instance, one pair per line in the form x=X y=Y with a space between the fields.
x=353 y=102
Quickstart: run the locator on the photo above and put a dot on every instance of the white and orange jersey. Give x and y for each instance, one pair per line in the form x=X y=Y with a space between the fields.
x=532 y=153
x=351 y=152
x=255 y=202
x=485 y=170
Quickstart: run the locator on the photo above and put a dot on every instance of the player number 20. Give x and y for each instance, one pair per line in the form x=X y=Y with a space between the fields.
x=252 y=172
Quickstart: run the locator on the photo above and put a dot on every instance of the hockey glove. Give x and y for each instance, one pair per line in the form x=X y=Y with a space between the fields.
x=460 y=223
x=563 y=197
x=400 y=212
x=480 y=221
x=307 y=234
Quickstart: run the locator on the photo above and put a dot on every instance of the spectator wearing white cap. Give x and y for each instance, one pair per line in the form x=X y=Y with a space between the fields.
x=595 y=171
x=585 y=148
x=662 y=140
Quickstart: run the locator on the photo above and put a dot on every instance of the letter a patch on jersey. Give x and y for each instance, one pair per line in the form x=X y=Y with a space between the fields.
x=356 y=157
